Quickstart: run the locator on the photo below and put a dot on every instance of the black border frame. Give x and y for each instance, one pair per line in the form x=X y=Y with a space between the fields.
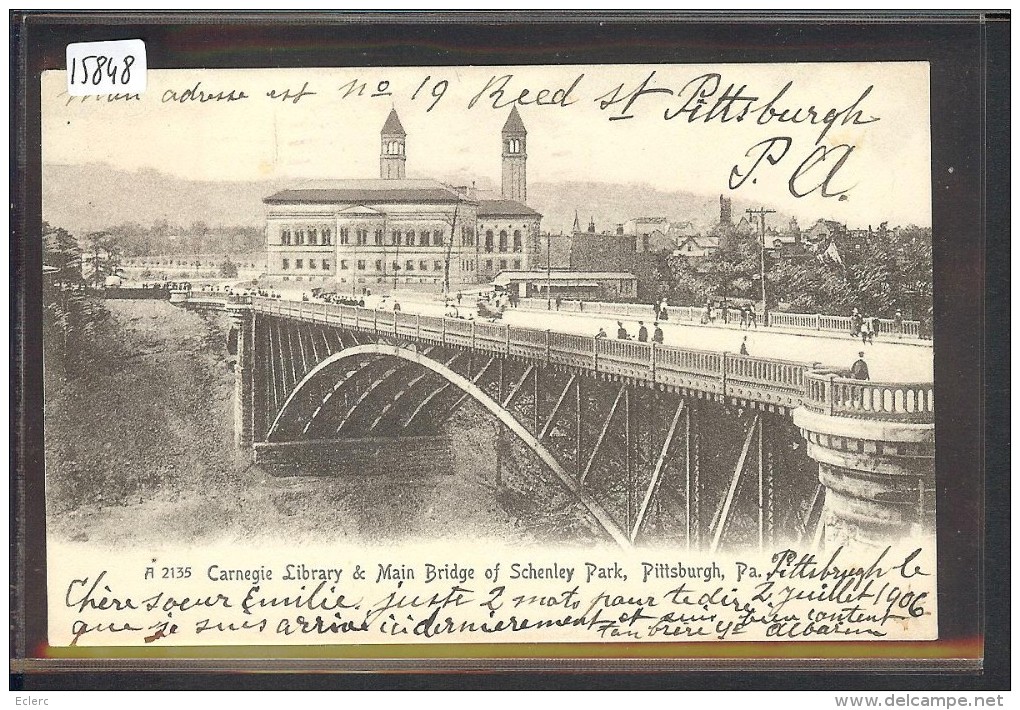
x=969 y=55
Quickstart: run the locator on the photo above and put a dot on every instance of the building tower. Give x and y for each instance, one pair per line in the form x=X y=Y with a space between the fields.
x=391 y=155
x=515 y=157
x=725 y=210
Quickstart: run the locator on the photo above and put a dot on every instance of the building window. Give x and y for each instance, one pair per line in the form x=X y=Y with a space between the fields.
x=313 y=236
x=488 y=264
x=517 y=264
x=300 y=237
x=437 y=237
x=285 y=236
x=361 y=264
x=467 y=236
x=299 y=263
x=410 y=237
x=488 y=240
x=327 y=236
x=518 y=245
x=345 y=235
x=423 y=265
x=362 y=237
x=285 y=264
x=502 y=240
x=378 y=237
x=395 y=266
x=325 y=264
x=312 y=264
x=409 y=265
x=343 y=265
x=502 y=264
x=378 y=265
x=396 y=237
x=438 y=265
x=424 y=238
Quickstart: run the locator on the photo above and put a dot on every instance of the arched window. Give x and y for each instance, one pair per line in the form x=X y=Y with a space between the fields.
x=502 y=240
x=437 y=238
x=378 y=237
x=285 y=235
x=518 y=246
x=410 y=237
x=424 y=238
x=396 y=237
x=488 y=240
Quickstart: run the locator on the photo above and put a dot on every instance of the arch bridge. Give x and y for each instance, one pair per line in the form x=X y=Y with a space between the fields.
x=659 y=444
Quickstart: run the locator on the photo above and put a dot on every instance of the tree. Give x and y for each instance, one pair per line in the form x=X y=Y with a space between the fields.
x=69 y=315
x=228 y=269
x=103 y=254
x=61 y=252
x=734 y=272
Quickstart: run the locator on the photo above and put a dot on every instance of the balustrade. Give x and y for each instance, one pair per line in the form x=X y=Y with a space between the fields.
x=820 y=389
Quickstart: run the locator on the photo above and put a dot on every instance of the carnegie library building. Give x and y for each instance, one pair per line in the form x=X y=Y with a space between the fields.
x=394 y=232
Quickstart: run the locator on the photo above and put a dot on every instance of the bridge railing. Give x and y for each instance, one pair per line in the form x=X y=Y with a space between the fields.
x=693 y=314
x=491 y=336
x=781 y=382
x=887 y=401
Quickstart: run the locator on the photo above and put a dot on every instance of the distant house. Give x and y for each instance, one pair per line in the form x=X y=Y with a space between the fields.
x=640 y=226
x=697 y=246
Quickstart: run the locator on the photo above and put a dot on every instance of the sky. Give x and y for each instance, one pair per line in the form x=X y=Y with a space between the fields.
x=877 y=150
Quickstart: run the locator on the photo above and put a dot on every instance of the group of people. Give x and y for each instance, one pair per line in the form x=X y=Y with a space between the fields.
x=748 y=316
x=864 y=327
x=330 y=297
x=170 y=285
x=642 y=334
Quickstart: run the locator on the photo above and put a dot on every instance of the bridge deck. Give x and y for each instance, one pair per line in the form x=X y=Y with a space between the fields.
x=769 y=382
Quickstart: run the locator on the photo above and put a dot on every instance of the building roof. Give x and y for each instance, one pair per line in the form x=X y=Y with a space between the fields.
x=505 y=208
x=366 y=191
x=392 y=126
x=505 y=277
x=514 y=124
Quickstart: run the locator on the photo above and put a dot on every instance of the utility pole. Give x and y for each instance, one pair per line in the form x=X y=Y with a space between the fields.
x=548 y=271
x=761 y=212
x=449 y=252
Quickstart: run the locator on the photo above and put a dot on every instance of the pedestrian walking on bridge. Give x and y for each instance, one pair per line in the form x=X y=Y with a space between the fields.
x=859 y=370
x=642 y=334
x=621 y=332
x=657 y=336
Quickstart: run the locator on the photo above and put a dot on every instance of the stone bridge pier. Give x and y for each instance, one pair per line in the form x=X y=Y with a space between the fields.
x=875 y=448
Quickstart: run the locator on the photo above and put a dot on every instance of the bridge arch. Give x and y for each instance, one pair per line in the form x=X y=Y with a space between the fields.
x=478 y=394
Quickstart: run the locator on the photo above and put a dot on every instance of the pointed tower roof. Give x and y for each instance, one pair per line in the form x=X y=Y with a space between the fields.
x=392 y=126
x=577 y=222
x=514 y=124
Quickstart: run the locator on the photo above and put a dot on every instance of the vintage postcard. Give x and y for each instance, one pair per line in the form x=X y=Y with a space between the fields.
x=474 y=354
